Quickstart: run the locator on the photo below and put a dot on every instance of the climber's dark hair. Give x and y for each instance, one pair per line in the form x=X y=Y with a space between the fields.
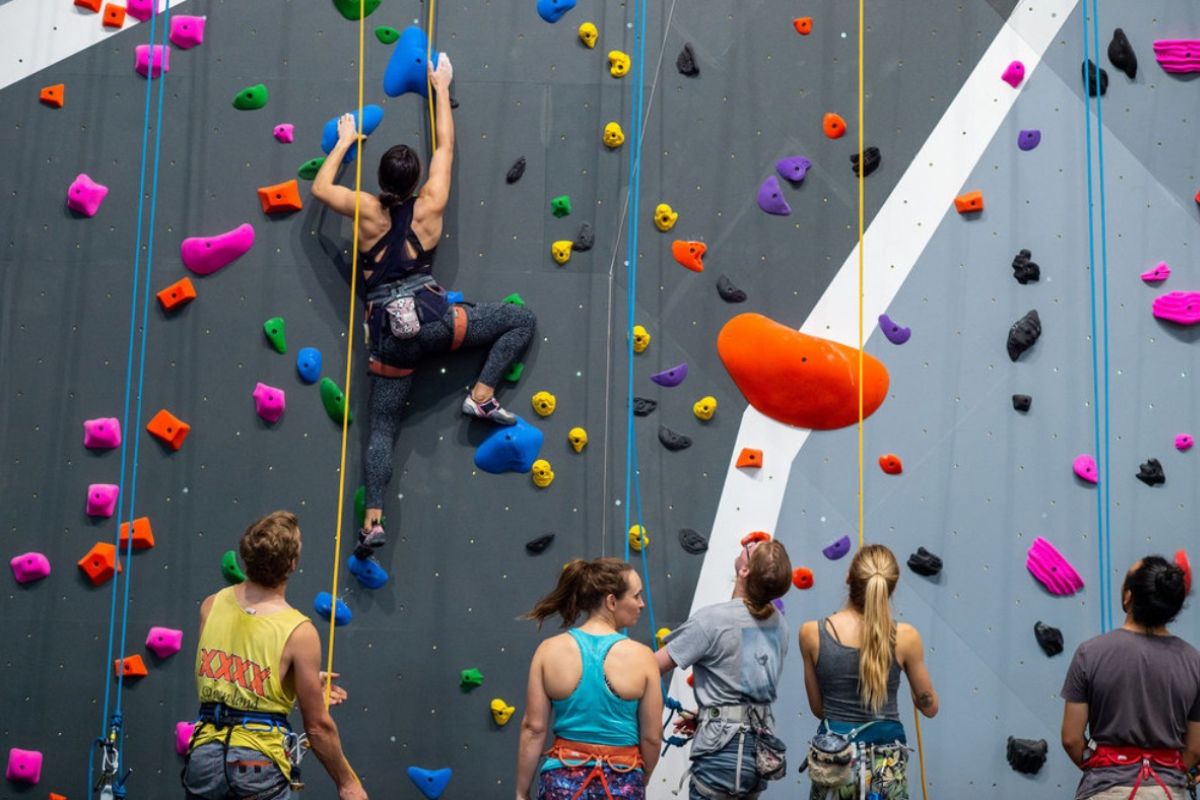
x=1156 y=591
x=399 y=170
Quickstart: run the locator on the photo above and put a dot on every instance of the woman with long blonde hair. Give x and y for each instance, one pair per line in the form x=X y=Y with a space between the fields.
x=852 y=664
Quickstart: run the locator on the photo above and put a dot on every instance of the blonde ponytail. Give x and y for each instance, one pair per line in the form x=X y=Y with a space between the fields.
x=873 y=576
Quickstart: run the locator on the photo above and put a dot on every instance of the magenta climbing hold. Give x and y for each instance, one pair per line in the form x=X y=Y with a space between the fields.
x=186 y=31
x=102 y=433
x=770 y=197
x=1184 y=441
x=793 y=168
x=85 y=195
x=269 y=402
x=1029 y=139
x=150 y=61
x=1048 y=566
x=285 y=132
x=895 y=333
x=1085 y=467
x=837 y=549
x=1014 y=73
x=1157 y=275
x=24 y=766
x=1182 y=308
x=1178 y=55
x=102 y=499
x=142 y=10
x=183 y=737
x=29 y=567
x=164 y=642
x=671 y=377
x=204 y=255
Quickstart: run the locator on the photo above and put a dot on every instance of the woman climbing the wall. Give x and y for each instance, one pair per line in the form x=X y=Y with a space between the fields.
x=408 y=316
x=602 y=686
x=736 y=651
x=852 y=664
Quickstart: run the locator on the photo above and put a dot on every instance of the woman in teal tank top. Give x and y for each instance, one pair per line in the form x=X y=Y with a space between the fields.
x=601 y=687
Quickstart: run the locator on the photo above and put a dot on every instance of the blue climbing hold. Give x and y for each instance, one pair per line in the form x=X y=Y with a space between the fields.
x=511 y=449
x=455 y=297
x=308 y=364
x=372 y=116
x=553 y=10
x=368 y=572
x=430 y=782
x=671 y=377
x=323 y=605
x=406 y=68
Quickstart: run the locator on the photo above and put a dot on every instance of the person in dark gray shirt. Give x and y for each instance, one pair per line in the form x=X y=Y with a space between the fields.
x=1135 y=693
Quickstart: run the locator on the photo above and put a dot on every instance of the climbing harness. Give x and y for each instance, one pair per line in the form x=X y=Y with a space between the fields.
x=1112 y=756
x=223 y=717
x=618 y=758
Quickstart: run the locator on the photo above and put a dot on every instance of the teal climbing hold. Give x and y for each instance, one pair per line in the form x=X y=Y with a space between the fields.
x=251 y=98
x=430 y=782
x=274 y=330
x=230 y=569
x=470 y=678
x=514 y=372
x=308 y=170
x=387 y=34
x=560 y=206
x=514 y=299
x=334 y=400
x=350 y=8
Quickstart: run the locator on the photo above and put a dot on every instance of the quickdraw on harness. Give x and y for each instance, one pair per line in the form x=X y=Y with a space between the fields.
x=1112 y=756
x=675 y=707
x=225 y=718
x=620 y=759
x=110 y=784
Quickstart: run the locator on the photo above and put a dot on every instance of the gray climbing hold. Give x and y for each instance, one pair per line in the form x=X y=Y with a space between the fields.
x=729 y=293
x=644 y=406
x=1048 y=638
x=1027 y=755
x=1025 y=270
x=686 y=62
x=691 y=541
x=1120 y=53
x=1151 y=473
x=671 y=440
x=924 y=563
x=1022 y=402
x=516 y=170
x=1023 y=333
x=871 y=161
x=585 y=239
x=1089 y=71
x=539 y=545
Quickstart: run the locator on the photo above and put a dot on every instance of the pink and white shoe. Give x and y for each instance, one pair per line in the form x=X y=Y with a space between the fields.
x=489 y=409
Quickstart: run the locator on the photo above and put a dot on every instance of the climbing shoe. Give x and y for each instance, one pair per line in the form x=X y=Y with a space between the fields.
x=490 y=410
x=369 y=539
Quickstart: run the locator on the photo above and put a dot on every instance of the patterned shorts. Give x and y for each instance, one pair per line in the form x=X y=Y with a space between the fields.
x=889 y=776
x=562 y=784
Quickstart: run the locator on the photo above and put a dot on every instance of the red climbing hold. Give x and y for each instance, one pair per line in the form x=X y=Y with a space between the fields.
x=53 y=96
x=168 y=429
x=130 y=667
x=114 y=15
x=90 y=5
x=100 y=563
x=689 y=254
x=969 y=203
x=177 y=295
x=834 y=126
x=749 y=457
x=1181 y=561
x=803 y=25
x=143 y=534
x=891 y=464
x=802 y=578
x=280 y=198
x=755 y=536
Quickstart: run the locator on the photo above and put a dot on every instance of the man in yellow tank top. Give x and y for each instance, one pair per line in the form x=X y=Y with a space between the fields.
x=256 y=657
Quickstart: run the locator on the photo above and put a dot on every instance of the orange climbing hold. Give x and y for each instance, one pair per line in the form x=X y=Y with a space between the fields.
x=803 y=25
x=749 y=457
x=90 y=5
x=280 y=198
x=755 y=536
x=798 y=379
x=168 y=429
x=54 y=796
x=802 y=578
x=53 y=95
x=178 y=294
x=143 y=534
x=100 y=563
x=969 y=203
x=114 y=15
x=891 y=464
x=834 y=126
x=689 y=254
x=130 y=667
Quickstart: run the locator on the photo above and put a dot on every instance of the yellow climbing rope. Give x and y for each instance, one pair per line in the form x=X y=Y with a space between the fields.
x=429 y=81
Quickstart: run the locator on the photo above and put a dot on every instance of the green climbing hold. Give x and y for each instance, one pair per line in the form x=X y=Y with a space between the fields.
x=230 y=569
x=308 y=170
x=470 y=678
x=349 y=8
x=386 y=34
x=514 y=372
x=335 y=401
x=275 y=332
x=514 y=299
x=560 y=206
x=251 y=98
x=360 y=505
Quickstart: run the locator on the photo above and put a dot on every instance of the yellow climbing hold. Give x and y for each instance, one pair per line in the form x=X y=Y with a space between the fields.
x=501 y=711
x=664 y=217
x=544 y=403
x=705 y=407
x=588 y=34
x=659 y=635
x=543 y=476
x=618 y=63
x=637 y=537
x=641 y=339
x=614 y=137
x=578 y=439
x=561 y=251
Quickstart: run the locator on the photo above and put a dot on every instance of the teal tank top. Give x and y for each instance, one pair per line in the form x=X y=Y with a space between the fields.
x=593 y=713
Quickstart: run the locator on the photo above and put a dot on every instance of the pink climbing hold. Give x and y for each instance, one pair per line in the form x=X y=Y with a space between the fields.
x=164 y=642
x=1055 y=572
x=204 y=255
x=1182 y=308
x=85 y=195
x=101 y=433
x=24 y=766
x=102 y=499
x=187 y=31
x=1085 y=468
x=1014 y=73
x=285 y=132
x=1178 y=55
x=141 y=9
x=269 y=402
x=1160 y=273
x=1184 y=441
x=30 y=567
x=183 y=737
x=152 y=68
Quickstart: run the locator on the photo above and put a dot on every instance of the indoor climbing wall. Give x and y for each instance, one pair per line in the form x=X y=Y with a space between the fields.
x=979 y=479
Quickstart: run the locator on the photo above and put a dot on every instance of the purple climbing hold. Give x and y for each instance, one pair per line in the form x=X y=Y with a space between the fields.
x=1085 y=468
x=1014 y=73
x=793 y=168
x=1027 y=140
x=1157 y=275
x=770 y=197
x=1184 y=441
x=1182 y=308
x=671 y=377
x=837 y=549
x=896 y=334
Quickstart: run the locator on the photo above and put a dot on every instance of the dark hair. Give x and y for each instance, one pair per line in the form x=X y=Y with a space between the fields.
x=269 y=546
x=770 y=577
x=582 y=587
x=1156 y=592
x=399 y=170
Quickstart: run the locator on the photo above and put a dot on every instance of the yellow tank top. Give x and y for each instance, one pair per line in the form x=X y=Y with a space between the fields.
x=237 y=662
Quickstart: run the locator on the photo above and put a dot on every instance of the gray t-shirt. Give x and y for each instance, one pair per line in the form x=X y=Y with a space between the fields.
x=736 y=659
x=1141 y=691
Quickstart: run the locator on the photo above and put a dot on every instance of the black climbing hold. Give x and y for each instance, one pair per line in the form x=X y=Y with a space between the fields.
x=1120 y=53
x=1048 y=638
x=691 y=541
x=729 y=293
x=686 y=62
x=516 y=170
x=1023 y=334
x=644 y=406
x=1151 y=473
x=870 y=158
x=1022 y=402
x=585 y=239
x=1027 y=755
x=1088 y=71
x=1025 y=270
x=672 y=440
x=539 y=544
x=924 y=563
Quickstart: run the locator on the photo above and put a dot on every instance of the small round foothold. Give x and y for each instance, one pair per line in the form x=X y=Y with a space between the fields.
x=1014 y=73
x=560 y=251
x=803 y=25
x=1184 y=441
x=705 y=407
x=541 y=473
x=618 y=63
x=560 y=206
x=664 y=217
x=802 y=578
x=638 y=538
x=614 y=137
x=578 y=438
x=544 y=403
x=833 y=125
x=1029 y=139
x=470 y=678
x=890 y=464
x=501 y=711
x=588 y=34
x=1085 y=467
x=641 y=339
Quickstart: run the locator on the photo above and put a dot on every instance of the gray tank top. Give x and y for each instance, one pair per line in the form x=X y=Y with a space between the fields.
x=837 y=672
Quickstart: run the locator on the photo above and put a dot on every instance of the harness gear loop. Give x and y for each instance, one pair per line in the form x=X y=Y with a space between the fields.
x=619 y=758
x=1113 y=756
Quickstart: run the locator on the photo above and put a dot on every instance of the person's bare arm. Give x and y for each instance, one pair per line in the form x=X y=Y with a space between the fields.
x=205 y=608
x=1075 y=720
x=650 y=712
x=810 y=643
x=534 y=725
x=664 y=661
x=435 y=194
x=910 y=652
x=1191 y=746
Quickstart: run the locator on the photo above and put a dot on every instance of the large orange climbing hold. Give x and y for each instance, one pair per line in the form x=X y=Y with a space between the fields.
x=689 y=254
x=53 y=95
x=755 y=536
x=833 y=125
x=114 y=15
x=798 y=379
x=130 y=667
x=143 y=534
x=178 y=294
x=168 y=429
x=803 y=25
x=802 y=578
x=280 y=198
x=100 y=563
x=749 y=457
x=969 y=203
x=891 y=464
x=90 y=5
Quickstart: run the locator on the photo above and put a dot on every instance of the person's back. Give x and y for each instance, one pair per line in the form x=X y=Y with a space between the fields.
x=838 y=670
x=594 y=685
